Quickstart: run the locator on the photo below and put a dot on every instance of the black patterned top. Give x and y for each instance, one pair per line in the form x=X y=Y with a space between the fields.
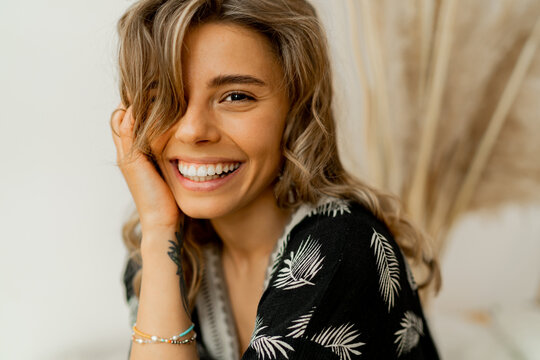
x=337 y=287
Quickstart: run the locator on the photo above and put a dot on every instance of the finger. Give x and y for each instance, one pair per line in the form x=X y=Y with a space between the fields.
x=116 y=118
x=126 y=131
x=126 y=125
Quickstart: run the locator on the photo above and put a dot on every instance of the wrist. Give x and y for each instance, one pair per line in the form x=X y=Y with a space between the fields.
x=156 y=239
x=155 y=226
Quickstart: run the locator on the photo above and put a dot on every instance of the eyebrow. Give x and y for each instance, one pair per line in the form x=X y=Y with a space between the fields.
x=235 y=79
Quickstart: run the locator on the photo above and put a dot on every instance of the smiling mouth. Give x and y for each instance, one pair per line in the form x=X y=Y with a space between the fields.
x=206 y=172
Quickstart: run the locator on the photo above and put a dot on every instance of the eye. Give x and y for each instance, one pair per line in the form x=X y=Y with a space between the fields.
x=238 y=96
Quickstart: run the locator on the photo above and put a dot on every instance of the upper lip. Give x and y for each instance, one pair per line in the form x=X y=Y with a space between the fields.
x=204 y=160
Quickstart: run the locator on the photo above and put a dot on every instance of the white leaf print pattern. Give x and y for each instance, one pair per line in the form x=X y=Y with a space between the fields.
x=279 y=254
x=267 y=346
x=388 y=268
x=300 y=324
x=331 y=208
x=408 y=336
x=300 y=268
x=340 y=340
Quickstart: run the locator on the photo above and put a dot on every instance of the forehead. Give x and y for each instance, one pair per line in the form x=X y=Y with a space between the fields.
x=215 y=49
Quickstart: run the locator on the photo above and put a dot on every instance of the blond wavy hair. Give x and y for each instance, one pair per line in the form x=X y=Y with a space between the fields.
x=151 y=35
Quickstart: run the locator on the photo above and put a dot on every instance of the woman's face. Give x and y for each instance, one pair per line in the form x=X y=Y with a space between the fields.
x=223 y=155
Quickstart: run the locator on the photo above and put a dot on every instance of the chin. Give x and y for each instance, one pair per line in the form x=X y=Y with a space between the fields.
x=204 y=208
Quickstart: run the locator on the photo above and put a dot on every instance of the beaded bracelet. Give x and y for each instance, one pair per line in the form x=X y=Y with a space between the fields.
x=157 y=339
x=169 y=341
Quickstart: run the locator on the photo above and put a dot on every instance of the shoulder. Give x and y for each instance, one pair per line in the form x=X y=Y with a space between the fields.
x=343 y=217
x=358 y=251
x=319 y=241
x=346 y=229
x=340 y=235
x=340 y=282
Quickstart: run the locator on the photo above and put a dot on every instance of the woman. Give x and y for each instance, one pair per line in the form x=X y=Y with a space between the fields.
x=251 y=240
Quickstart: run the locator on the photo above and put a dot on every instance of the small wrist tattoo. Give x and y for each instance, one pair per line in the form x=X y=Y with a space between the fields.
x=175 y=255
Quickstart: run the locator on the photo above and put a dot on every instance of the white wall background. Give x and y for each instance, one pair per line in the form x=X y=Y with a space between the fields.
x=62 y=200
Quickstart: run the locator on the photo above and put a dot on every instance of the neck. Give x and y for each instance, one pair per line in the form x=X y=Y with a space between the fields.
x=252 y=232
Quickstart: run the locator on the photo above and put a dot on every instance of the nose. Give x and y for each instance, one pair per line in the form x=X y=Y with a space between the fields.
x=197 y=126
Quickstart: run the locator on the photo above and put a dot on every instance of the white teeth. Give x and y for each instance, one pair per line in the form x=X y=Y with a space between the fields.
x=205 y=172
x=201 y=171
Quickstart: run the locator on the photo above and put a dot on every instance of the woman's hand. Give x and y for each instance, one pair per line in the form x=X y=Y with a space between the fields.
x=154 y=200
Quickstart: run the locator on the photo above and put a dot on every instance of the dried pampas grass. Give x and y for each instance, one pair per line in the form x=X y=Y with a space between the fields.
x=451 y=94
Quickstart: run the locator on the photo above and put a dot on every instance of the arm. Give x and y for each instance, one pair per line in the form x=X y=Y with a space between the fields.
x=160 y=310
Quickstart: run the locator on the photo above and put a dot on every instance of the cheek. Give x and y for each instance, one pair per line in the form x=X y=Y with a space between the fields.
x=260 y=139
